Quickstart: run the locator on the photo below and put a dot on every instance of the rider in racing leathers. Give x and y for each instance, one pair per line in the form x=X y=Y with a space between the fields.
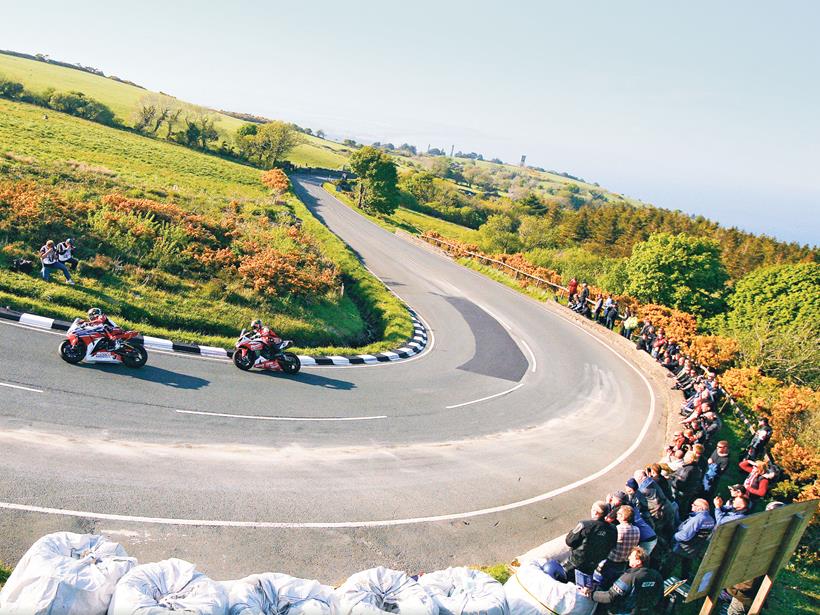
x=97 y=321
x=264 y=333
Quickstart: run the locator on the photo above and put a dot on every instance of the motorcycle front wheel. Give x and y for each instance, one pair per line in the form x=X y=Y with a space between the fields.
x=290 y=363
x=72 y=353
x=243 y=362
x=136 y=357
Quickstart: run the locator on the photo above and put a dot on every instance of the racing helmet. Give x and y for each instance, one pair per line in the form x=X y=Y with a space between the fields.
x=94 y=313
x=256 y=325
x=556 y=571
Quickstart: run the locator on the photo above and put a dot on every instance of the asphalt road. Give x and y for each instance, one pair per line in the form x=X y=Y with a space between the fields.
x=419 y=464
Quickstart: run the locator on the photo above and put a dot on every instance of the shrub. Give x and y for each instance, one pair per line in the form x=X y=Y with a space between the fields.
x=277 y=181
x=714 y=351
x=751 y=388
x=679 y=326
x=276 y=273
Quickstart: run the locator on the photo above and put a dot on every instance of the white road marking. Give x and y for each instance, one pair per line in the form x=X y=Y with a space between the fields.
x=475 y=401
x=17 y=386
x=532 y=354
x=283 y=418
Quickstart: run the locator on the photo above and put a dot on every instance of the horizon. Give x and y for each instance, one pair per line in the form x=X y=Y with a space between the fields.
x=726 y=128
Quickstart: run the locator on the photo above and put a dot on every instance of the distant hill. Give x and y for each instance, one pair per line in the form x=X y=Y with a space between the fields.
x=39 y=73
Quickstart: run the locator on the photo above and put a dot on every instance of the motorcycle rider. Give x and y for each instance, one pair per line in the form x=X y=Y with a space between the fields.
x=98 y=321
x=264 y=333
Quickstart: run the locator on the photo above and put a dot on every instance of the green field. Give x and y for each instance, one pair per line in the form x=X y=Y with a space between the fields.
x=410 y=221
x=80 y=161
x=124 y=99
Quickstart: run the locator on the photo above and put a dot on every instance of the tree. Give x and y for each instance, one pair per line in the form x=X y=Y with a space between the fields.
x=500 y=234
x=678 y=271
x=275 y=140
x=537 y=232
x=376 y=187
x=773 y=315
x=245 y=140
x=421 y=186
x=320 y=133
x=10 y=89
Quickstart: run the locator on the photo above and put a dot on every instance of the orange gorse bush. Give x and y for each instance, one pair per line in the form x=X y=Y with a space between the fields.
x=274 y=273
x=276 y=180
x=715 y=351
x=679 y=326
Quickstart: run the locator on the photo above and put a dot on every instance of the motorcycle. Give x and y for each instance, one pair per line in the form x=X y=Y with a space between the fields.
x=267 y=351
x=90 y=343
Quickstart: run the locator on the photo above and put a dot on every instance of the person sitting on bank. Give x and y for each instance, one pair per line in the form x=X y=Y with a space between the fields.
x=48 y=256
x=65 y=255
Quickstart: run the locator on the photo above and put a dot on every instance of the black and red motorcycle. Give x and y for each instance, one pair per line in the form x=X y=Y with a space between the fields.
x=265 y=350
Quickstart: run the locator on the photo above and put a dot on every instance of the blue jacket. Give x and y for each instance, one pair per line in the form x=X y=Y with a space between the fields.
x=724 y=516
x=647 y=533
x=693 y=534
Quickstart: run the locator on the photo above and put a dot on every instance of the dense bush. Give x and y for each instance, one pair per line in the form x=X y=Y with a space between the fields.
x=73 y=103
x=716 y=351
x=679 y=326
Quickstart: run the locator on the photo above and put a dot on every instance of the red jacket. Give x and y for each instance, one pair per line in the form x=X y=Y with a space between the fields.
x=756 y=484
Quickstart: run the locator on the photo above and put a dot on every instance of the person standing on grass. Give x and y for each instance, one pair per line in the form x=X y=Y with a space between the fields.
x=48 y=256
x=64 y=253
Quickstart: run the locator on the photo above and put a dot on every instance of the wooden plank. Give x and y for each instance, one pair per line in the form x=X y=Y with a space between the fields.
x=717 y=583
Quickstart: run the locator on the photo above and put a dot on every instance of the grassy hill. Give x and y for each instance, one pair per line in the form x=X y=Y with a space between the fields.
x=123 y=99
x=122 y=195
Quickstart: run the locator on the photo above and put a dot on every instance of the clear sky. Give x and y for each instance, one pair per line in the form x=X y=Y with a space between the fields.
x=708 y=107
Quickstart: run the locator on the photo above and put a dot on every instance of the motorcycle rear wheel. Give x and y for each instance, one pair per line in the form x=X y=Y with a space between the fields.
x=137 y=358
x=72 y=353
x=243 y=362
x=290 y=363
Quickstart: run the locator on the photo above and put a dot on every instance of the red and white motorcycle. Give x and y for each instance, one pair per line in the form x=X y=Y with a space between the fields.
x=265 y=351
x=94 y=344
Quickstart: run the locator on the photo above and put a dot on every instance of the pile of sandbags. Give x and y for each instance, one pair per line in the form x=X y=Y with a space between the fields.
x=540 y=588
x=168 y=586
x=379 y=591
x=65 y=574
x=462 y=591
x=279 y=594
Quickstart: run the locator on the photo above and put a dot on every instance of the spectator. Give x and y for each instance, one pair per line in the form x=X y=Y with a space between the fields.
x=655 y=471
x=628 y=537
x=611 y=315
x=591 y=541
x=599 y=305
x=582 y=298
x=718 y=462
x=629 y=323
x=757 y=446
x=687 y=481
x=660 y=508
x=48 y=256
x=572 y=288
x=693 y=535
x=757 y=483
x=64 y=253
x=738 y=509
x=638 y=591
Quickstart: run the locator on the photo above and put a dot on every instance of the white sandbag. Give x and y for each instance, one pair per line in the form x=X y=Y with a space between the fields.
x=65 y=574
x=279 y=594
x=461 y=591
x=531 y=591
x=169 y=586
x=380 y=590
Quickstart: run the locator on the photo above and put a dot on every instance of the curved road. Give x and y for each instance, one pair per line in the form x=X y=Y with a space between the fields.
x=467 y=453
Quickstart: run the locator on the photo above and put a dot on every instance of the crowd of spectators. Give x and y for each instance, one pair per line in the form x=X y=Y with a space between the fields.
x=666 y=513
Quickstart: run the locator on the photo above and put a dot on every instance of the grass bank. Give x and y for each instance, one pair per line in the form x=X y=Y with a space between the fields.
x=55 y=177
x=124 y=99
